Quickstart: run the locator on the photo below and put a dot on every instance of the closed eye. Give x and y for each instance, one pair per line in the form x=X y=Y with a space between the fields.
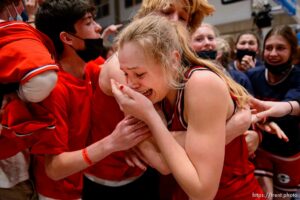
x=140 y=75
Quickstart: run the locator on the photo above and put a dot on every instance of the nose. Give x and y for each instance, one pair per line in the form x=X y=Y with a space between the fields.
x=132 y=83
x=273 y=52
x=98 y=27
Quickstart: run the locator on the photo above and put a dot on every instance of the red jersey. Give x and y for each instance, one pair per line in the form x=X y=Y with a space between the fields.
x=25 y=52
x=237 y=179
x=106 y=114
x=70 y=102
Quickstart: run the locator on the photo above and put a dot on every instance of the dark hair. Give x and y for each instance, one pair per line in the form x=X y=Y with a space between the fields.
x=56 y=16
x=287 y=33
x=5 y=3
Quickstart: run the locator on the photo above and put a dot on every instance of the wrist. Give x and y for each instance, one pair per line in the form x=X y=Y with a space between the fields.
x=291 y=108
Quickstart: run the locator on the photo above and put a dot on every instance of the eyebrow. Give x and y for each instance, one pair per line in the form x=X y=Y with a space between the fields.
x=130 y=68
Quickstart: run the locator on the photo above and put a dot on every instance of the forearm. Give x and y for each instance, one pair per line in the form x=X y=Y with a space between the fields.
x=68 y=163
x=153 y=156
x=185 y=173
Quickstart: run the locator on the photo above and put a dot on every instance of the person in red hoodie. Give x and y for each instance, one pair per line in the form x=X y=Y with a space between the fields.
x=28 y=69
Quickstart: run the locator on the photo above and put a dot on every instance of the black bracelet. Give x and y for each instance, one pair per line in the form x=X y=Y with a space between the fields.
x=291 y=108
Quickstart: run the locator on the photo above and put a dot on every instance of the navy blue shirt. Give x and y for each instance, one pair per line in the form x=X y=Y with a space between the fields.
x=286 y=90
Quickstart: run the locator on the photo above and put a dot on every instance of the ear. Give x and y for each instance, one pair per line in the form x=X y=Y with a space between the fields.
x=176 y=58
x=66 y=38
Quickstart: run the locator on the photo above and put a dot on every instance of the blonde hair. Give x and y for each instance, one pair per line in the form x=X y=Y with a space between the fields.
x=159 y=38
x=197 y=10
x=223 y=46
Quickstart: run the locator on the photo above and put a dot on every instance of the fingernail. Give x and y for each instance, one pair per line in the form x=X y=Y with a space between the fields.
x=121 y=87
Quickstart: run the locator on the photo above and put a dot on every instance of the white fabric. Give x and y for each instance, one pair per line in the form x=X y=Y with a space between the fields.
x=38 y=87
x=42 y=197
x=111 y=183
x=14 y=170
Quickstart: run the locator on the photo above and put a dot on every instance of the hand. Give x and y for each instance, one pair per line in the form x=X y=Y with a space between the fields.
x=252 y=140
x=31 y=7
x=112 y=29
x=238 y=124
x=273 y=128
x=132 y=159
x=132 y=102
x=246 y=63
x=128 y=133
x=265 y=109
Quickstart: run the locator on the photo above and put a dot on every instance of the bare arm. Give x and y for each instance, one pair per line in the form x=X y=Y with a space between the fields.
x=201 y=163
x=273 y=109
x=127 y=134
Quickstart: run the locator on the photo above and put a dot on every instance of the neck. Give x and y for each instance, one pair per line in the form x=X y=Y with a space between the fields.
x=72 y=64
x=274 y=79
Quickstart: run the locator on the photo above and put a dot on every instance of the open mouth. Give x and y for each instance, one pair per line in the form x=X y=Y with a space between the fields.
x=147 y=93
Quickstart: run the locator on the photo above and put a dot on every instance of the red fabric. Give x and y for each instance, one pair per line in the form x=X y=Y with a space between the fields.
x=237 y=179
x=70 y=102
x=23 y=124
x=106 y=114
x=23 y=49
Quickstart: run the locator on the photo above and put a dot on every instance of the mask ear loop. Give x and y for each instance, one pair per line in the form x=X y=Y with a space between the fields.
x=10 y=18
x=18 y=17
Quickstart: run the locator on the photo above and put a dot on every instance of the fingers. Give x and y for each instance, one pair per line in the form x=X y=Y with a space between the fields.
x=133 y=160
x=129 y=161
x=118 y=26
x=278 y=131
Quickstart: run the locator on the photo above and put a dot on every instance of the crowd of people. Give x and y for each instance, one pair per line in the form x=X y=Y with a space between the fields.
x=171 y=111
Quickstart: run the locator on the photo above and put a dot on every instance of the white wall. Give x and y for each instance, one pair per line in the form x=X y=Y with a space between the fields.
x=229 y=12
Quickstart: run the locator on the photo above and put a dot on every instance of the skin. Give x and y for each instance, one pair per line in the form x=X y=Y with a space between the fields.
x=274 y=109
x=176 y=11
x=127 y=133
x=247 y=41
x=203 y=131
x=277 y=51
x=203 y=39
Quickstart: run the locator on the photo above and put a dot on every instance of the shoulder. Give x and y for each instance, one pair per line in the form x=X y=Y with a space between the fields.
x=110 y=70
x=206 y=84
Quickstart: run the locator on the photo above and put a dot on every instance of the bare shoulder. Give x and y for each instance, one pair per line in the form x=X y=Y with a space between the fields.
x=206 y=80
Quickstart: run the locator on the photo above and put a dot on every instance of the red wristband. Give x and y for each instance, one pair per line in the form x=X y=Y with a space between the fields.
x=85 y=157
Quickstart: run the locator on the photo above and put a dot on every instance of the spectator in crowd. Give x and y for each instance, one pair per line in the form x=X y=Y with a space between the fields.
x=276 y=160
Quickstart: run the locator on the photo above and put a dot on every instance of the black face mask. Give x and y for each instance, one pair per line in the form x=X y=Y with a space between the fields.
x=279 y=69
x=240 y=53
x=211 y=55
x=93 y=49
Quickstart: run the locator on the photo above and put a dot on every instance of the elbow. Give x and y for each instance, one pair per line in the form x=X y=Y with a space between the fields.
x=52 y=170
x=164 y=171
x=52 y=174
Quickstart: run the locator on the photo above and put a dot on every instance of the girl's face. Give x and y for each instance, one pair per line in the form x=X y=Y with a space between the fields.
x=204 y=39
x=277 y=50
x=176 y=10
x=142 y=73
x=249 y=42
